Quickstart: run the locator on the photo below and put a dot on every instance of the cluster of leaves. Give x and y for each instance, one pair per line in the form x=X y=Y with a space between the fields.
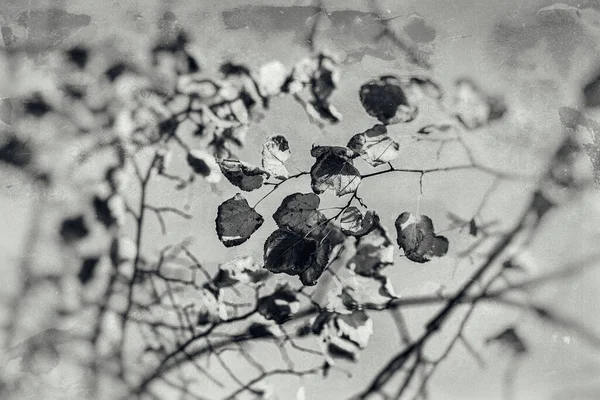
x=307 y=241
x=306 y=237
x=172 y=105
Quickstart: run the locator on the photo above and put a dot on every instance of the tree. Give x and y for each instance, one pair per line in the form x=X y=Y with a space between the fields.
x=156 y=317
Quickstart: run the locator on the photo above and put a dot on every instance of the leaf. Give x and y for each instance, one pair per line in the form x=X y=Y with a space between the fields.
x=473 y=108
x=299 y=213
x=236 y=221
x=510 y=339
x=591 y=92
x=417 y=238
x=109 y=211
x=374 y=145
x=473 y=228
x=374 y=252
x=294 y=254
x=243 y=175
x=333 y=170
x=275 y=152
x=343 y=336
x=78 y=55
x=73 y=229
x=205 y=165
x=239 y=270
x=385 y=100
x=353 y=222
x=37 y=106
x=88 y=267
x=280 y=305
x=16 y=152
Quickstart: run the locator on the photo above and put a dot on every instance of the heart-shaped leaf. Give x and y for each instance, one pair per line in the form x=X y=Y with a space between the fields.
x=243 y=175
x=334 y=170
x=294 y=254
x=374 y=145
x=236 y=221
x=418 y=239
x=385 y=100
x=275 y=152
x=354 y=223
x=299 y=212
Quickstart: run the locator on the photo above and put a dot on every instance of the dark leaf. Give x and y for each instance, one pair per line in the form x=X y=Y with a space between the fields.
x=229 y=68
x=591 y=93
x=204 y=164
x=293 y=254
x=16 y=152
x=417 y=238
x=78 y=55
x=113 y=72
x=36 y=106
x=258 y=330
x=354 y=223
x=374 y=145
x=275 y=152
x=88 y=267
x=333 y=170
x=109 y=211
x=385 y=100
x=473 y=229
x=73 y=229
x=236 y=221
x=299 y=213
x=280 y=305
x=243 y=175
